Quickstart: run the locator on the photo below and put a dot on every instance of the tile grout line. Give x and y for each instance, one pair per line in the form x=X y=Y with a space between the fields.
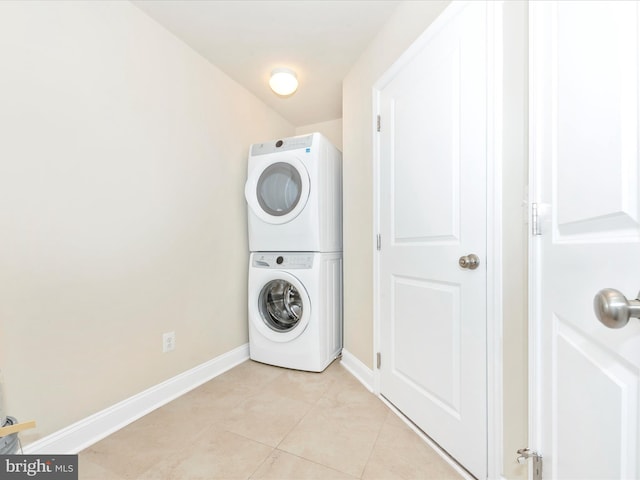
x=311 y=405
x=273 y=449
x=317 y=463
x=374 y=444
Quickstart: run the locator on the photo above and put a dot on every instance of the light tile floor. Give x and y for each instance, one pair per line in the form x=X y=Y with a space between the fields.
x=261 y=422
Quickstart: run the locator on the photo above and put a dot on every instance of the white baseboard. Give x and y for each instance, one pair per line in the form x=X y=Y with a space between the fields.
x=86 y=432
x=358 y=369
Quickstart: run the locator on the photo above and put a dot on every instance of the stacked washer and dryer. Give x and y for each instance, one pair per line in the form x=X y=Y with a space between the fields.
x=294 y=197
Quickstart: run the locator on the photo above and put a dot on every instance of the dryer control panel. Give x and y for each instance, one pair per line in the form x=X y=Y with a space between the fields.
x=291 y=143
x=282 y=260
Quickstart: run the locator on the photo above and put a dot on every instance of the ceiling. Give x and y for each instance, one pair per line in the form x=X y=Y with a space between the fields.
x=246 y=39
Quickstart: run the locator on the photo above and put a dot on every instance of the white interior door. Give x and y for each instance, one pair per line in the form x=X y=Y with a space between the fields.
x=584 y=124
x=432 y=208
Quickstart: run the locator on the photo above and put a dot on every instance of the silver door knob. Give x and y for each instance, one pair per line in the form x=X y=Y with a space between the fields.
x=470 y=261
x=613 y=309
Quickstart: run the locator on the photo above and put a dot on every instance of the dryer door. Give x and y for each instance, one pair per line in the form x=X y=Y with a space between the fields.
x=278 y=191
x=283 y=307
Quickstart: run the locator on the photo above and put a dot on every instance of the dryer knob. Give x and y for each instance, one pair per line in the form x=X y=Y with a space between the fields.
x=279 y=260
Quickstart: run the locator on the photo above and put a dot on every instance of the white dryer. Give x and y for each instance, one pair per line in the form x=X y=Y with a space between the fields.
x=295 y=309
x=294 y=195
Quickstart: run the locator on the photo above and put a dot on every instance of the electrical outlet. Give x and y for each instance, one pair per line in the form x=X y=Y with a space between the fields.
x=168 y=342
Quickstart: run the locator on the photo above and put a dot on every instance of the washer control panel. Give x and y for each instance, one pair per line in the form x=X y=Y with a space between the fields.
x=282 y=260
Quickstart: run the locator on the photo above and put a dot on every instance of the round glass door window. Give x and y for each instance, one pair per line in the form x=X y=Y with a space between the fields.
x=280 y=305
x=279 y=189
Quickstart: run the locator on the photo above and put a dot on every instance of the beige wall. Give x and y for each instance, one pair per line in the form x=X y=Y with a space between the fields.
x=407 y=23
x=122 y=216
x=331 y=129
x=515 y=234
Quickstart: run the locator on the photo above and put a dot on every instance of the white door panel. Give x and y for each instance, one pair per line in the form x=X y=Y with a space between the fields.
x=433 y=150
x=414 y=331
x=584 y=113
x=596 y=97
x=425 y=128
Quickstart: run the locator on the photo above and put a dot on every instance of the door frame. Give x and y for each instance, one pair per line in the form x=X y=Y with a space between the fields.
x=494 y=314
x=535 y=247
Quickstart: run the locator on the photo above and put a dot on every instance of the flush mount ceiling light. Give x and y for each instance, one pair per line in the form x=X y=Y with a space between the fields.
x=284 y=81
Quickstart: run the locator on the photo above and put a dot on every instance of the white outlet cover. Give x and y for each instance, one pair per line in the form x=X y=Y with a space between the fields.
x=168 y=341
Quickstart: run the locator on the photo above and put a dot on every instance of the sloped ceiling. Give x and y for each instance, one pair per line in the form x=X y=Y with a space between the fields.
x=247 y=39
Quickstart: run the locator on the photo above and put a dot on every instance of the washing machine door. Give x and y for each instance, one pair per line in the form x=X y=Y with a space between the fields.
x=283 y=307
x=278 y=190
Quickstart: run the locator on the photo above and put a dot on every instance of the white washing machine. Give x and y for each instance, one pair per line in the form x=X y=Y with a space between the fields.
x=295 y=309
x=294 y=195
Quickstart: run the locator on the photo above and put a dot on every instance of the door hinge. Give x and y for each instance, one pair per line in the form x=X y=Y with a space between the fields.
x=535 y=220
x=378 y=242
x=378 y=123
x=524 y=454
x=378 y=360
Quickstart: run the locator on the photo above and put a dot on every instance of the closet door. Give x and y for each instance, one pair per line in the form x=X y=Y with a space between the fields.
x=433 y=160
x=584 y=143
